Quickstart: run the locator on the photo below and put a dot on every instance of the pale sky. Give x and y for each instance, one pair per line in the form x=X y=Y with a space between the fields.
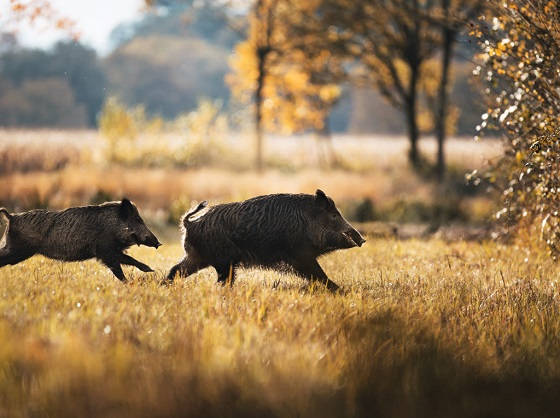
x=95 y=19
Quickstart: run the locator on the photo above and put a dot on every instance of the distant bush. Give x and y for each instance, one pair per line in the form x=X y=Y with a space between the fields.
x=362 y=210
x=62 y=87
x=195 y=139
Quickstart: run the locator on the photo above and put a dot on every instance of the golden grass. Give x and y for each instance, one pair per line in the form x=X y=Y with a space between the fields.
x=423 y=329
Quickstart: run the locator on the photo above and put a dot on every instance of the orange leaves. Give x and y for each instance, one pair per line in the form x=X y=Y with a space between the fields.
x=38 y=13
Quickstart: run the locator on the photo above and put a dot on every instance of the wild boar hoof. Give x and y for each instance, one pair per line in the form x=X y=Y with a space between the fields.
x=166 y=282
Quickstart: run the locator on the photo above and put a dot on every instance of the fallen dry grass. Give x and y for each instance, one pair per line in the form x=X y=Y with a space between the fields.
x=423 y=329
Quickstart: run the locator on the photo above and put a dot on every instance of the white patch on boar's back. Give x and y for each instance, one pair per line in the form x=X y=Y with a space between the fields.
x=4 y=226
x=198 y=215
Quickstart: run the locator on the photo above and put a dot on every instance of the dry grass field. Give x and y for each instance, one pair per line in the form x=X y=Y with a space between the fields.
x=422 y=329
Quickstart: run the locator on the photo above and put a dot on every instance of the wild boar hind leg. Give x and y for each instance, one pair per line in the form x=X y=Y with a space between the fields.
x=311 y=270
x=226 y=274
x=9 y=257
x=187 y=266
x=130 y=261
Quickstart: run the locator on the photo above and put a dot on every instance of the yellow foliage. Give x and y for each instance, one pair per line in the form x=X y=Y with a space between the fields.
x=292 y=101
x=193 y=139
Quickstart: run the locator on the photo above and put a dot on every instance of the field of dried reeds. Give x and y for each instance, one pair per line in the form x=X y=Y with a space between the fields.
x=60 y=169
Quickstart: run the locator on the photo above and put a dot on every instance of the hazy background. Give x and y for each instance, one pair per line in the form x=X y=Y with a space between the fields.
x=167 y=60
x=142 y=99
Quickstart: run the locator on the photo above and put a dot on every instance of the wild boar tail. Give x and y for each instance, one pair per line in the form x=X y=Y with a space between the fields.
x=5 y=213
x=193 y=212
x=4 y=231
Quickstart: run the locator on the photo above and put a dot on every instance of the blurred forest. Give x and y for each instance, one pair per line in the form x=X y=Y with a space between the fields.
x=176 y=55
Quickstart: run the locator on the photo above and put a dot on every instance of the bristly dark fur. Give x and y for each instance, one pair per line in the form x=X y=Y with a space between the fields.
x=273 y=231
x=76 y=234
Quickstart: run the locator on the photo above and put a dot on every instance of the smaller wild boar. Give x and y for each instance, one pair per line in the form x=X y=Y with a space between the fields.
x=76 y=234
x=274 y=231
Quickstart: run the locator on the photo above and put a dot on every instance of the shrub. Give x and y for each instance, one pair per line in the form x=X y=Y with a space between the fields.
x=520 y=64
x=192 y=140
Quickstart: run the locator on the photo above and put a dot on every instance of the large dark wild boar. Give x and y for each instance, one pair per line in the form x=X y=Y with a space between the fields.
x=274 y=231
x=77 y=234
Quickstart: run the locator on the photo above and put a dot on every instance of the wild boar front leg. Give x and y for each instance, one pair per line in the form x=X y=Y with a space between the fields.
x=311 y=270
x=130 y=261
x=114 y=265
x=110 y=256
x=116 y=269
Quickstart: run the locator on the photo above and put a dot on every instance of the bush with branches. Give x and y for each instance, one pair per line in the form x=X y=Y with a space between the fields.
x=520 y=63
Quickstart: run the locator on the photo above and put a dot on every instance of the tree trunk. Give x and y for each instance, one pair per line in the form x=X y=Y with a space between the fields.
x=328 y=158
x=258 y=113
x=411 y=122
x=262 y=52
x=412 y=95
x=449 y=37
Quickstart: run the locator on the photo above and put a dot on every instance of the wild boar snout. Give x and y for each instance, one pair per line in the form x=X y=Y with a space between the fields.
x=152 y=241
x=356 y=237
x=143 y=236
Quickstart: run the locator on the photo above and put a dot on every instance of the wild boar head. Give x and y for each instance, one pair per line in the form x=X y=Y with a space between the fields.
x=136 y=231
x=333 y=231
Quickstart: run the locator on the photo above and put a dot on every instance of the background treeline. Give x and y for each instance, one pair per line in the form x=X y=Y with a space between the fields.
x=168 y=62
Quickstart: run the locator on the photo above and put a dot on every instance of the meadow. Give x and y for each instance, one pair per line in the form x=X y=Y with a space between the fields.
x=424 y=327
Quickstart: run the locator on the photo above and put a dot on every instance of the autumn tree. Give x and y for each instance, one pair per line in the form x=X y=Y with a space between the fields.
x=252 y=56
x=297 y=79
x=396 y=44
x=391 y=40
x=520 y=63
x=453 y=18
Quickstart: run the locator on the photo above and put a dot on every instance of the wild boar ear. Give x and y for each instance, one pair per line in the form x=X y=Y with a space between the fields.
x=126 y=208
x=321 y=199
